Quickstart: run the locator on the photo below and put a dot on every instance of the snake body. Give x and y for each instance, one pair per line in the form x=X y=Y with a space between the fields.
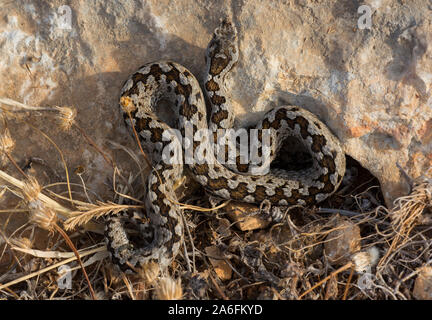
x=160 y=239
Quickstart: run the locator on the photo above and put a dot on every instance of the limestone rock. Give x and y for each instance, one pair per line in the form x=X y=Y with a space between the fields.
x=242 y=215
x=423 y=284
x=222 y=269
x=371 y=86
x=342 y=242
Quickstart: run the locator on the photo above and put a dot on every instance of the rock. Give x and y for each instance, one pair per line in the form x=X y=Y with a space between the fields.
x=342 y=242
x=222 y=269
x=423 y=284
x=371 y=85
x=224 y=228
x=242 y=215
x=197 y=285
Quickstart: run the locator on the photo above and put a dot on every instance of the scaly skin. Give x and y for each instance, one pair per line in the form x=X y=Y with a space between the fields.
x=162 y=236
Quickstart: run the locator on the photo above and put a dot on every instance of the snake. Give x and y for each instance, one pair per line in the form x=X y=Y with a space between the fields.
x=159 y=228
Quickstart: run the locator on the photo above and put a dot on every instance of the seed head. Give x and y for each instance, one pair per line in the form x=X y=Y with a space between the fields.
x=169 y=289
x=127 y=104
x=40 y=214
x=365 y=260
x=66 y=116
x=7 y=144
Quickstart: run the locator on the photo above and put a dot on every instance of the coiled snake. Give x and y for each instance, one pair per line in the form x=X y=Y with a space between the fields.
x=161 y=238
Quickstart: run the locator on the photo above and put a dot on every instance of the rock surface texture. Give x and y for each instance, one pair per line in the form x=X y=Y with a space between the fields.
x=371 y=86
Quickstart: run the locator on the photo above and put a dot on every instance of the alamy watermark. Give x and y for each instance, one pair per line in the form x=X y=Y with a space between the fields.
x=365 y=20
x=64 y=20
x=366 y=280
x=253 y=148
x=65 y=280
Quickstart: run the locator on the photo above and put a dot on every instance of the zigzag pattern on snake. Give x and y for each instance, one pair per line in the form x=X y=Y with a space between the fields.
x=160 y=239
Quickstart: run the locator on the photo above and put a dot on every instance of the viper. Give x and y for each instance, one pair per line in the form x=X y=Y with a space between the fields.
x=160 y=237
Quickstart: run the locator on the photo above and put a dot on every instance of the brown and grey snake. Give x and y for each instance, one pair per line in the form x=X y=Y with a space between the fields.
x=160 y=239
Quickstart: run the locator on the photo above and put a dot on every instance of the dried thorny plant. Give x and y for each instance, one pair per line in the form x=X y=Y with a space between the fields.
x=407 y=213
x=43 y=211
x=285 y=261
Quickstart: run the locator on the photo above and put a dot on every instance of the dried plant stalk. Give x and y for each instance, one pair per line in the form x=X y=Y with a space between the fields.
x=65 y=212
x=15 y=106
x=87 y=212
x=407 y=213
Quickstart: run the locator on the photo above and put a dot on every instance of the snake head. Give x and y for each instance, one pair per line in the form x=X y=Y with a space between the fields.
x=222 y=51
x=226 y=31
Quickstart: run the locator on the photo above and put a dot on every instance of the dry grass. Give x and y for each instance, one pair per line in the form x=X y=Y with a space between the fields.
x=285 y=261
